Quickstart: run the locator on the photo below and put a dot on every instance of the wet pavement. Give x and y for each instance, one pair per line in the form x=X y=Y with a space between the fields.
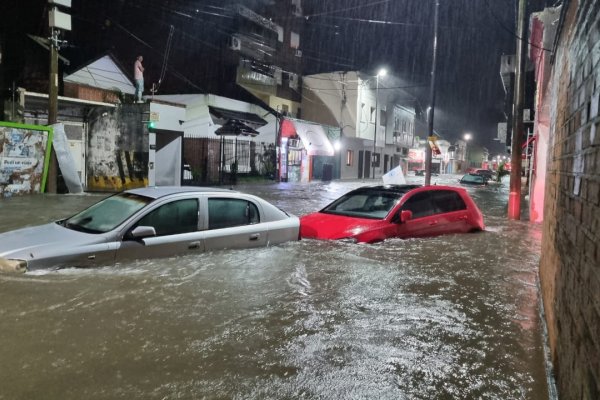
x=452 y=317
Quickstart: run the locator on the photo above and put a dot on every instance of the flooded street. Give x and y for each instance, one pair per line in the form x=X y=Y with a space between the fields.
x=452 y=317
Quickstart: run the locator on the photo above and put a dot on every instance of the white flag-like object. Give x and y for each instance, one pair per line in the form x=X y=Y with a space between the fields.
x=394 y=177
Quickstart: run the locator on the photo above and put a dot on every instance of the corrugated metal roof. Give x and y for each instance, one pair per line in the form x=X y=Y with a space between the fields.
x=103 y=73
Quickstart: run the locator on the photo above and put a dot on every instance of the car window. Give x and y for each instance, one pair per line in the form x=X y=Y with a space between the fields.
x=470 y=178
x=372 y=204
x=447 y=201
x=108 y=213
x=180 y=216
x=420 y=205
x=225 y=213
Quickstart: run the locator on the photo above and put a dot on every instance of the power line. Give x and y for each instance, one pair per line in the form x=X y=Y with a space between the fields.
x=374 y=3
x=510 y=31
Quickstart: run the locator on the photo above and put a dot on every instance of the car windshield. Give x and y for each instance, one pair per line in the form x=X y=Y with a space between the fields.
x=364 y=204
x=470 y=178
x=107 y=214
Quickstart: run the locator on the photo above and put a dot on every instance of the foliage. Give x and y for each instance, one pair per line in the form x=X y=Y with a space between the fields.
x=268 y=160
x=502 y=171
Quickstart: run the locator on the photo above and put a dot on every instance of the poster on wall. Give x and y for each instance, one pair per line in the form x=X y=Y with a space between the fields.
x=24 y=158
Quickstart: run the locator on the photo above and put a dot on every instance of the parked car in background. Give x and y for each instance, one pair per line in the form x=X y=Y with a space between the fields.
x=421 y=172
x=148 y=223
x=489 y=174
x=375 y=213
x=473 y=180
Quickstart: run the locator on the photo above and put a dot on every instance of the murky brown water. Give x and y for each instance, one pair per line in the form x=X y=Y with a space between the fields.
x=453 y=317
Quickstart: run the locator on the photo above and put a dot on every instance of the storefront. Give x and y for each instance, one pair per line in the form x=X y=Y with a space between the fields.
x=301 y=144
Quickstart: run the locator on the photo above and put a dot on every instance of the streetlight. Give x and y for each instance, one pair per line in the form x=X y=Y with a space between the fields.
x=382 y=72
x=467 y=136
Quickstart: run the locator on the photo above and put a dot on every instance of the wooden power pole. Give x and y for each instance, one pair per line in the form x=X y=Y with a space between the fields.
x=514 y=199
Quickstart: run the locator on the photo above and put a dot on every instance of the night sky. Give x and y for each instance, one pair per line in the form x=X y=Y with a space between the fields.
x=339 y=35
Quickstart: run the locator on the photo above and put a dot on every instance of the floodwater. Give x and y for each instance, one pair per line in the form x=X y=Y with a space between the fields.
x=452 y=317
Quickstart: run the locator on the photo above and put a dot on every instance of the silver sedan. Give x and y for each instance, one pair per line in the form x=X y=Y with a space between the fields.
x=149 y=223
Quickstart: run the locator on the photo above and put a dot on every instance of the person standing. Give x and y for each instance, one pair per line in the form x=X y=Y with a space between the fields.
x=138 y=72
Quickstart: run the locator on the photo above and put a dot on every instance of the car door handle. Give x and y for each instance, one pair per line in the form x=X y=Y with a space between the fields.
x=255 y=236
x=194 y=245
x=92 y=257
x=433 y=223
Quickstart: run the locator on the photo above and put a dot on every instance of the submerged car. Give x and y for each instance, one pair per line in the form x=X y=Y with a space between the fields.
x=489 y=174
x=375 y=213
x=148 y=223
x=473 y=180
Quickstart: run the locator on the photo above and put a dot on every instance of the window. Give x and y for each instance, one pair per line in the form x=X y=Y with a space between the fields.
x=372 y=118
x=362 y=112
x=376 y=159
x=350 y=157
x=225 y=213
x=447 y=201
x=382 y=118
x=368 y=204
x=420 y=205
x=173 y=218
x=294 y=40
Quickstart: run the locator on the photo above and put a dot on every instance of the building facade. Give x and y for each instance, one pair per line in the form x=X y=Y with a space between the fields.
x=377 y=120
x=570 y=260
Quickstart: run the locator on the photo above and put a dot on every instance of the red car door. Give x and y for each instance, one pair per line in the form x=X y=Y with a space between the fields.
x=423 y=221
x=450 y=212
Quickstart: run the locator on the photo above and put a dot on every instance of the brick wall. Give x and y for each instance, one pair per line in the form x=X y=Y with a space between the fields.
x=570 y=262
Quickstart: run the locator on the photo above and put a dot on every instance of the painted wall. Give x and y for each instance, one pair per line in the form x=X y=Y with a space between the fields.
x=570 y=257
x=117 y=156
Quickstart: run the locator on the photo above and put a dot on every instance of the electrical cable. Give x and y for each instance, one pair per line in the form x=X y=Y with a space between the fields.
x=510 y=31
x=165 y=58
x=374 y=3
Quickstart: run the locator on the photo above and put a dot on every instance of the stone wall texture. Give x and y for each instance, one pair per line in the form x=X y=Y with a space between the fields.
x=570 y=262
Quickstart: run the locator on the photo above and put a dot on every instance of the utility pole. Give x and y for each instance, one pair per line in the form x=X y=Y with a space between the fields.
x=428 y=150
x=53 y=108
x=56 y=20
x=514 y=198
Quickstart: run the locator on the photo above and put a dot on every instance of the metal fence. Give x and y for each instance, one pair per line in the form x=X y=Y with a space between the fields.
x=221 y=161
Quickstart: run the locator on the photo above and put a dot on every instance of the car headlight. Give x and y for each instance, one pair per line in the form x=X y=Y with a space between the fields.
x=7 y=265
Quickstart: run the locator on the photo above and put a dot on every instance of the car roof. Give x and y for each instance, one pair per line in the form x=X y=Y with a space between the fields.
x=400 y=189
x=156 y=192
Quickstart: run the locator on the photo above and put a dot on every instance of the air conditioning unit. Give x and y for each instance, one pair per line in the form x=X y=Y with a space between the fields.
x=298 y=53
x=296 y=8
x=235 y=43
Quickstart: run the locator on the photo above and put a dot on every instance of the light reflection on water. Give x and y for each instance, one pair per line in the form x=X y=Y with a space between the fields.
x=447 y=317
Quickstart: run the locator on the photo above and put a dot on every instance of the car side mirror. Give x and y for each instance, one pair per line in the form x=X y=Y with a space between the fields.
x=142 y=232
x=405 y=215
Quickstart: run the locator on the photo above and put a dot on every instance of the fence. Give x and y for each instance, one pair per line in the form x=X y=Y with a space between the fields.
x=220 y=161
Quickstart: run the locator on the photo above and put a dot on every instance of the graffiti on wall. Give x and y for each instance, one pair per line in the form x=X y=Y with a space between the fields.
x=117 y=150
x=24 y=157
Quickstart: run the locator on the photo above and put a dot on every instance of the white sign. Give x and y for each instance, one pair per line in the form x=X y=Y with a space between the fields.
x=502 y=129
x=394 y=177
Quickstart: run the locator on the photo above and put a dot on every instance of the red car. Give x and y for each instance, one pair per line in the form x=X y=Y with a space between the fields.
x=375 y=213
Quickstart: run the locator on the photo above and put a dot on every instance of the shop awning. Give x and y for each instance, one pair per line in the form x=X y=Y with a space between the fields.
x=236 y=128
x=221 y=116
x=314 y=139
x=528 y=142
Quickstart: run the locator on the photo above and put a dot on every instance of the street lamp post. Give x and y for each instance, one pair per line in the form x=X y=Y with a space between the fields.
x=382 y=72
x=467 y=137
